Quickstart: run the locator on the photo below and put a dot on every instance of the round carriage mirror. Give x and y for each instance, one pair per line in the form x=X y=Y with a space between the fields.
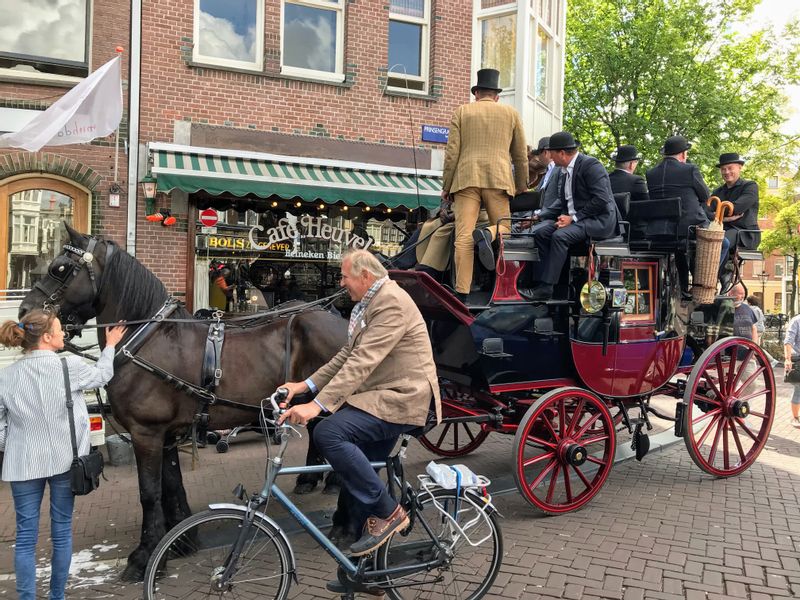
x=593 y=296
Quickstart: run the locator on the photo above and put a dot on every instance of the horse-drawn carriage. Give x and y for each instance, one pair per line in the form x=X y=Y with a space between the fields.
x=564 y=376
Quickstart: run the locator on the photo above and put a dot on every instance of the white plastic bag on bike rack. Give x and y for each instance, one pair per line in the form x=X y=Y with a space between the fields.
x=447 y=476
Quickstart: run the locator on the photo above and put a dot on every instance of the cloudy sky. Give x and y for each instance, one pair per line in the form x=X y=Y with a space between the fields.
x=777 y=13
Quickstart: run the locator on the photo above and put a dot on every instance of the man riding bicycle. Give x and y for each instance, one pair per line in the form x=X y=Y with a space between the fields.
x=377 y=387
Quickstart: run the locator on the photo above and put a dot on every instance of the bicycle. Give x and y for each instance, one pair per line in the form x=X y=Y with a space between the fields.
x=237 y=551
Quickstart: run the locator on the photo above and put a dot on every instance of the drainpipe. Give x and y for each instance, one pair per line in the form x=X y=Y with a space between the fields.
x=134 y=93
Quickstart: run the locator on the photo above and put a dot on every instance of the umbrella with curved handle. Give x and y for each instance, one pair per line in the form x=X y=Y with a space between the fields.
x=722 y=207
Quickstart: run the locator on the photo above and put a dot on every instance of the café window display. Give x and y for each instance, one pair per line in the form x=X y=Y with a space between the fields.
x=277 y=251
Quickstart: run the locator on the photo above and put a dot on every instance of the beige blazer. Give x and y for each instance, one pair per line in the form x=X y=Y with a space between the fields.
x=387 y=368
x=486 y=137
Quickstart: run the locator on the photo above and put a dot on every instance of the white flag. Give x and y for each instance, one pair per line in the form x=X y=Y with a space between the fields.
x=92 y=109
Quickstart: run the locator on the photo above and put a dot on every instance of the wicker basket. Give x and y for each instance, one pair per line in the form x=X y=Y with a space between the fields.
x=706 y=269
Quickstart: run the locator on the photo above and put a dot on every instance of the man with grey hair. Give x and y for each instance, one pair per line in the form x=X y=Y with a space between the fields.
x=381 y=384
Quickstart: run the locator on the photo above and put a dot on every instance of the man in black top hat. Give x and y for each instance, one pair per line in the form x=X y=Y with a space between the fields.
x=742 y=227
x=585 y=209
x=673 y=177
x=623 y=180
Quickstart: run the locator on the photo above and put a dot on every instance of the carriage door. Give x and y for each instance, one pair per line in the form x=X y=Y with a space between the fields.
x=35 y=208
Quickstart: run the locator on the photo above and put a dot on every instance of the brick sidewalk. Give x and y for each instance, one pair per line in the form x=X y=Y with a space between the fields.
x=660 y=529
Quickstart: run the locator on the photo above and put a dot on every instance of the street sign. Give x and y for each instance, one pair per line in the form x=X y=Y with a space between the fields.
x=209 y=217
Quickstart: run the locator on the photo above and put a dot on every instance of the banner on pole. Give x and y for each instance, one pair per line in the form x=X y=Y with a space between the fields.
x=92 y=109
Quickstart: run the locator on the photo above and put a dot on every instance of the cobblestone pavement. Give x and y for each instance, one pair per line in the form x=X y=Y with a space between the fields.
x=660 y=529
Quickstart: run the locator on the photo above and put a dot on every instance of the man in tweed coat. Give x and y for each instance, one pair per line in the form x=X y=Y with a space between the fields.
x=485 y=139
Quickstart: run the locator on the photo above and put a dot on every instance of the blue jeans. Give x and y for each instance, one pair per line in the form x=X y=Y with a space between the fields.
x=27 y=503
x=349 y=439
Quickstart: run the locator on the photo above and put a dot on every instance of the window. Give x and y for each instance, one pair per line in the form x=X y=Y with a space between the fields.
x=638 y=280
x=540 y=78
x=772 y=183
x=778 y=269
x=45 y=36
x=408 y=44
x=313 y=39
x=778 y=301
x=34 y=209
x=229 y=33
x=499 y=46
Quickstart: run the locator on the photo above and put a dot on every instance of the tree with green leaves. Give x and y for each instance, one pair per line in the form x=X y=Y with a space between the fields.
x=638 y=71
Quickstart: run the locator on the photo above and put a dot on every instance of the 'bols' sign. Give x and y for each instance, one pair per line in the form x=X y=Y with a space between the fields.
x=312 y=227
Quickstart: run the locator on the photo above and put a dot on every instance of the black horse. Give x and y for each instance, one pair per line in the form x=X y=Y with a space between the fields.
x=93 y=277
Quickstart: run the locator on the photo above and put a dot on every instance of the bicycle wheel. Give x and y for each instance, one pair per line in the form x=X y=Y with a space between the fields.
x=187 y=560
x=473 y=569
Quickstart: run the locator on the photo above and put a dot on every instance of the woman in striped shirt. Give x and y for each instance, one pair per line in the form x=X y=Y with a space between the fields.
x=34 y=435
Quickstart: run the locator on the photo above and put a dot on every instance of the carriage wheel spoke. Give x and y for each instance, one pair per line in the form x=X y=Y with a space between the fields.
x=549 y=426
x=585 y=481
x=469 y=432
x=455 y=436
x=552 y=487
x=587 y=425
x=725 y=458
x=760 y=415
x=698 y=398
x=535 y=483
x=539 y=442
x=747 y=429
x=750 y=380
x=707 y=430
x=713 y=387
x=562 y=417
x=576 y=416
x=753 y=395
x=713 y=453
x=704 y=416
x=597 y=461
x=534 y=459
x=741 y=370
x=593 y=440
x=731 y=370
x=738 y=442
x=567 y=484
x=720 y=376
x=444 y=433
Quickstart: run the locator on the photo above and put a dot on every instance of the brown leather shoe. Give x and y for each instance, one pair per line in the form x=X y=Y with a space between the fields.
x=378 y=531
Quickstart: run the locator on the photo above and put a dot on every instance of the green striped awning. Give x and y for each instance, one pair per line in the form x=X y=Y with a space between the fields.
x=264 y=175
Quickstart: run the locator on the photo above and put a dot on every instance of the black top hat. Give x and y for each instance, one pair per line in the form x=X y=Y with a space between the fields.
x=542 y=145
x=625 y=153
x=675 y=145
x=563 y=140
x=728 y=158
x=488 y=79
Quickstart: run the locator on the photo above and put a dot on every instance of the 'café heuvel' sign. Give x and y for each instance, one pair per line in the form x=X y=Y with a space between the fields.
x=310 y=227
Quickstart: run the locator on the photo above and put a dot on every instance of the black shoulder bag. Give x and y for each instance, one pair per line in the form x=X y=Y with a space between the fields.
x=85 y=470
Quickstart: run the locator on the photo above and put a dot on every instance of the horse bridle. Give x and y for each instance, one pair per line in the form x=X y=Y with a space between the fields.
x=54 y=285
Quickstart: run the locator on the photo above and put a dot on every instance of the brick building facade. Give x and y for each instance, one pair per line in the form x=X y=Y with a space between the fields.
x=287 y=93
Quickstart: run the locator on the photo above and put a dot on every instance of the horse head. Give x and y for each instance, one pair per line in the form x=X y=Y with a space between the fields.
x=72 y=284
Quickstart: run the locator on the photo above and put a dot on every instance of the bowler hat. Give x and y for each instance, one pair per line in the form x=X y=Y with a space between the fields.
x=542 y=145
x=675 y=145
x=563 y=140
x=728 y=158
x=625 y=153
x=488 y=79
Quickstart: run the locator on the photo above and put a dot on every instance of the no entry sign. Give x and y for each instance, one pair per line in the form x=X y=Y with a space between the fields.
x=209 y=217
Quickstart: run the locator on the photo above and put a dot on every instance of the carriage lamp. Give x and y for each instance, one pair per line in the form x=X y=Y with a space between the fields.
x=149 y=189
x=593 y=297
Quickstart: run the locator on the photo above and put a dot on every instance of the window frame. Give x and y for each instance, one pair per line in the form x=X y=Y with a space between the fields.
x=425 y=58
x=10 y=73
x=633 y=319
x=201 y=59
x=338 y=75
x=504 y=10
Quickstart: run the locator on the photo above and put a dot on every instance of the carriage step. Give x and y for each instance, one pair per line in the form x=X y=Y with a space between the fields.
x=680 y=407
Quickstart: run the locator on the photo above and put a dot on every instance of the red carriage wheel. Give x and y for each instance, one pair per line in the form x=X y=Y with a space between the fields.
x=729 y=405
x=454 y=439
x=563 y=450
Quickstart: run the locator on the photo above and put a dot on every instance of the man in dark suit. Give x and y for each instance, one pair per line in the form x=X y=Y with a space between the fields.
x=673 y=177
x=742 y=226
x=586 y=209
x=622 y=178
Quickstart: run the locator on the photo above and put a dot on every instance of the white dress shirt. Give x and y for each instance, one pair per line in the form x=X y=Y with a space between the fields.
x=568 y=187
x=34 y=430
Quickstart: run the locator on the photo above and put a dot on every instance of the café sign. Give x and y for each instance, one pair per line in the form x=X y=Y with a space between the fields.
x=310 y=227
